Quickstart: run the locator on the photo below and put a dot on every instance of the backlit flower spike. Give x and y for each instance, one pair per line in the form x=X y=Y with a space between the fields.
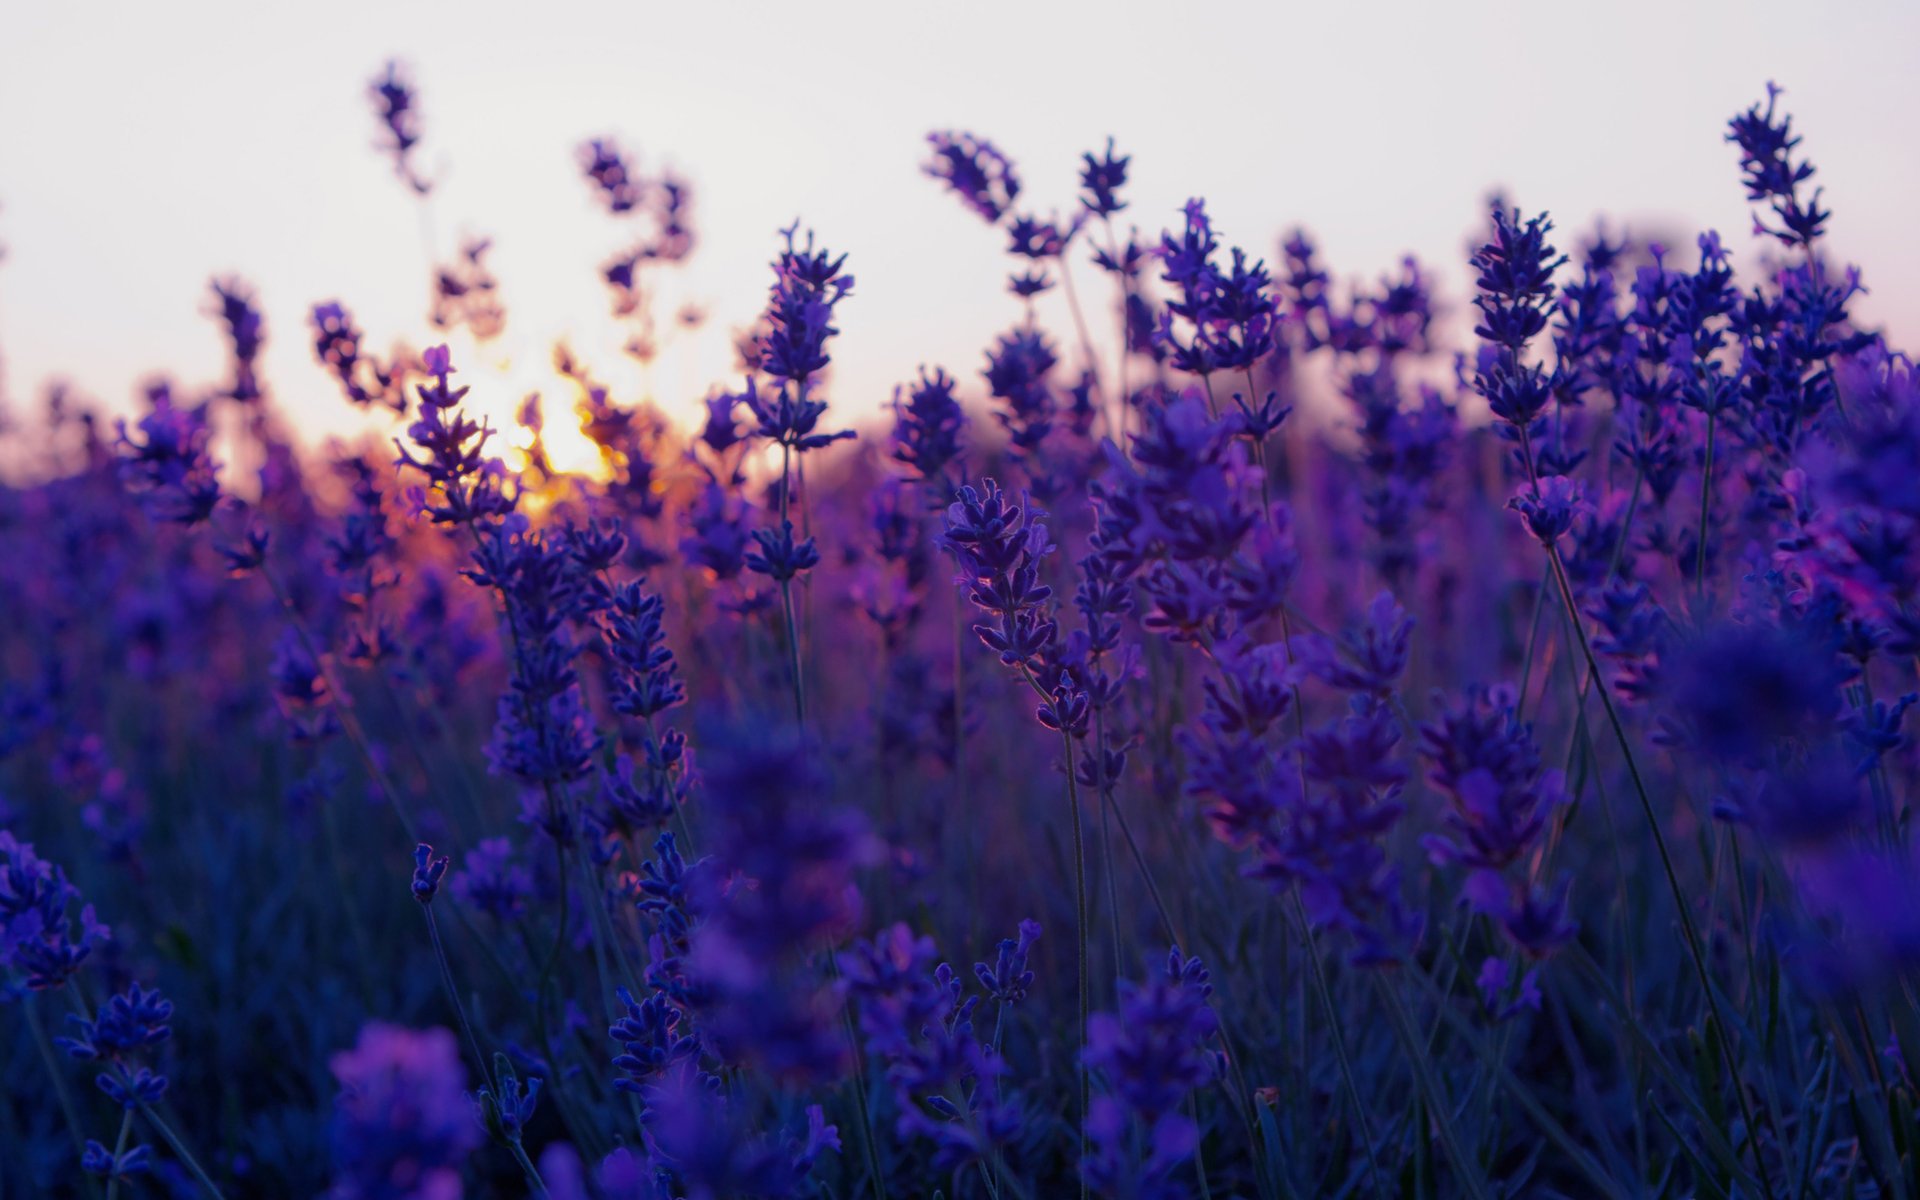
x=974 y=170
x=396 y=108
x=1774 y=176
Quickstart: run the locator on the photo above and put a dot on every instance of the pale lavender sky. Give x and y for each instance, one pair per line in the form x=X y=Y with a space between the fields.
x=145 y=147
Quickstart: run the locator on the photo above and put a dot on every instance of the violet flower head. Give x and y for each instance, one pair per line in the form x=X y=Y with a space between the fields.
x=974 y=170
x=921 y=1024
x=402 y=1126
x=1101 y=178
x=1037 y=240
x=129 y=1023
x=1486 y=762
x=468 y=486
x=699 y=1138
x=926 y=428
x=246 y=333
x=171 y=468
x=1370 y=657
x=781 y=557
x=491 y=881
x=1017 y=375
x=781 y=885
x=721 y=432
x=1745 y=692
x=544 y=733
x=1007 y=980
x=1219 y=320
x=119 y=1037
x=615 y=184
x=1550 y=509
x=808 y=284
x=100 y=1161
x=39 y=938
x=999 y=546
x=427 y=873
x=1515 y=281
x=655 y=1038
x=1152 y=1053
x=718 y=532
x=1773 y=176
x=394 y=105
x=505 y=1109
x=646 y=676
x=336 y=343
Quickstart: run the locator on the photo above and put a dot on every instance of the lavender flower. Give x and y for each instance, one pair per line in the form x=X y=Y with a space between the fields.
x=1101 y=179
x=999 y=546
x=1773 y=176
x=246 y=333
x=171 y=470
x=975 y=171
x=402 y=1126
x=1152 y=1053
x=491 y=881
x=394 y=106
x=39 y=939
x=926 y=432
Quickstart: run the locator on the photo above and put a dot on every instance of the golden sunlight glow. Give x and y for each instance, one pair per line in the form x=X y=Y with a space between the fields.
x=504 y=373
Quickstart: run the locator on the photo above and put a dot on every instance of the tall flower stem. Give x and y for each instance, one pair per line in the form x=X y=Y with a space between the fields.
x=119 y=1148
x=867 y=1140
x=1706 y=504
x=63 y=1095
x=1080 y=914
x=786 y=591
x=348 y=720
x=1080 y=941
x=1721 y=1040
x=453 y=995
x=527 y=1168
x=1120 y=357
x=1080 y=323
x=1466 y=1170
x=180 y=1151
x=1318 y=971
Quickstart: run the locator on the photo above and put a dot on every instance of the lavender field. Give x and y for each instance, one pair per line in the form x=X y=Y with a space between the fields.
x=1247 y=734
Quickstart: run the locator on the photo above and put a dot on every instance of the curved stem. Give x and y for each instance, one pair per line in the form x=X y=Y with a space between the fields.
x=453 y=996
x=119 y=1148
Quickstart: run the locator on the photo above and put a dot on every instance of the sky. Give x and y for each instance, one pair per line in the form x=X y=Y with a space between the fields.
x=146 y=148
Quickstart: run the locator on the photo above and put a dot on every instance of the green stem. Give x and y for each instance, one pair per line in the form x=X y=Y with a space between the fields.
x=1080 y=324
x=453 y=995
x=1319 y=973
x=1465 y=1169
x=348 y=720
x=859 y=1085
x=1080 y=940
x=61 y=1092
x=527 y=1168
x=1706 y=503
x=180 y=1150
x=119 y=1148
x=1694 y=951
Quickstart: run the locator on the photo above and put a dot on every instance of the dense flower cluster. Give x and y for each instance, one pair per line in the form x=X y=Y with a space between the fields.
x=1517 y=757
